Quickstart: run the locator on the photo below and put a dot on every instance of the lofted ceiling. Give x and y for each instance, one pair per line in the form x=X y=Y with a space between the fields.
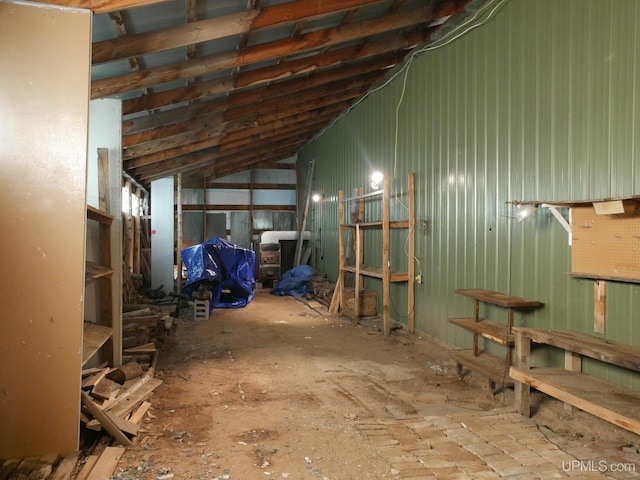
x=215 y=87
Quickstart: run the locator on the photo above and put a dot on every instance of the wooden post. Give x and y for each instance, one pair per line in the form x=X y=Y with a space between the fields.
x=178 y=285
x=600 y=306
x=341 y=232
x=476 y=317
x=204 y=210
x=103 y=179
x=412 y=255
x=573 y=363
x=357 y=279
x=522 y=390
x=136 y=231
x=386 y=269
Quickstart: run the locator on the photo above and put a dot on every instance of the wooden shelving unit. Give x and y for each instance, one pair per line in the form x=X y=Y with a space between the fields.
x=383 y=272
x=495 y=368
x=97 y=337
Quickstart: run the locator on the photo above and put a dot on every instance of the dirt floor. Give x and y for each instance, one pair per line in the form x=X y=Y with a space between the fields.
x=281 y=390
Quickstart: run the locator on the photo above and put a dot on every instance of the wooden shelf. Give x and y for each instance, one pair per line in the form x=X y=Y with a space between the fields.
x=99 y=216
x=615 y=403
x=94 y=337
x=599 y=348
x=373 y=225
x=497 y=298
x=486 y=364
x=490 y=366
x=95 y=270
x=357 y=226
x=100 y=334
x=496 y=332
x=376 y=272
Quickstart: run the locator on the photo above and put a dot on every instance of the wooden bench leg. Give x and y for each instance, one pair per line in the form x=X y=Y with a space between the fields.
x=573 y=363
x=522 y=390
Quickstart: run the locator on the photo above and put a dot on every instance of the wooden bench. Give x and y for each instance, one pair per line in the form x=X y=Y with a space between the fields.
x=493 y=367
x=607 y=400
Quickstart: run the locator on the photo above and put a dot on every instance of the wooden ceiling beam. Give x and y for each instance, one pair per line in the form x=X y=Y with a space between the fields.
x=215 y=122
x=334 y=58
x=215 y=142
x=239 y=148
x=103 y=6
x=270 y=152
x=219 y=27
x=165 y=148
x=195 y=92
x=225 y=129
x=258 y=53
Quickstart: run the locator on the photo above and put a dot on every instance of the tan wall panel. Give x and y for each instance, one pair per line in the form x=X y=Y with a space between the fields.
x=606 y=246
x=44 y=98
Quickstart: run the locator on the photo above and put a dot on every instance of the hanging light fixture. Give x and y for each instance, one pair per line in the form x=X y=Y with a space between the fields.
x=376 y=179
x=525 y=210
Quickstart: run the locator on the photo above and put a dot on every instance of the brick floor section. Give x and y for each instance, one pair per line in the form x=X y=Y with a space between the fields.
x=482 y=445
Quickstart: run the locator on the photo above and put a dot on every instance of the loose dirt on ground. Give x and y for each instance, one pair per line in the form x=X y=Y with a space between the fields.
x=277 y=389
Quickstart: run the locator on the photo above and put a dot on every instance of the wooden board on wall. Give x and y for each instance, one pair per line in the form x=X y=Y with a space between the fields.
x=43 y=155
x=606 y=246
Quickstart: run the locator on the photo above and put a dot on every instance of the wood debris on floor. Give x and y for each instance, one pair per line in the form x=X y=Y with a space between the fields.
x=95 y=466
x=116 y=399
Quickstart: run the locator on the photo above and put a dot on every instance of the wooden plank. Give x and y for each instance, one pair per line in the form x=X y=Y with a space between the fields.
x=95 y=336
x=131 y=399
x=522 y=390
x=334 y=306
x=486 y=364
x=146 y=321
x=412 y=257
x=99 y=216
x=386 y=269
x=611 y=402
x=600 y=306
x=103 y=179
x=105 y=388
x=8 y=467
x=378 y=272
x=140 y=412
x=89 y=462
x=34 y=468
x=573 y=363
x=146 y=348
x=106 y=464
x=621 y=354
x=125 y=425
x=105 y=420
x=497 y=298
x=493 y=331
x=65 y=468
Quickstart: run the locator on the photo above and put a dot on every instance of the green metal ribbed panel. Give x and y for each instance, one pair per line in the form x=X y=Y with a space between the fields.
x=541 y=102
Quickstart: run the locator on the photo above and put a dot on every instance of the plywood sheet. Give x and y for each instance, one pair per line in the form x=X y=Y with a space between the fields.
x=43 y=159
x=606 y=246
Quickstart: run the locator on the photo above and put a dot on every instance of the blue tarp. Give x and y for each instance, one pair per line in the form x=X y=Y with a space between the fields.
x=295 y=282
x=221 y=266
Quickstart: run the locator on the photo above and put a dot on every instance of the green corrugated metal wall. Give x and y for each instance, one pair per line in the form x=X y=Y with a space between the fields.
x=540 y=102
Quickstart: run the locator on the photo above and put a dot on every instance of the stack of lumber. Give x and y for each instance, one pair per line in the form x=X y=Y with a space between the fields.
x=321 y=288
x=116 y=399
x=144 y=325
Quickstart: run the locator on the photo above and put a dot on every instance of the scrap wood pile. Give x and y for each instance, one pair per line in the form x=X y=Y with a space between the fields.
x=322 y=288
x=116 y=399
x=70 y=467
x=145 y=326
